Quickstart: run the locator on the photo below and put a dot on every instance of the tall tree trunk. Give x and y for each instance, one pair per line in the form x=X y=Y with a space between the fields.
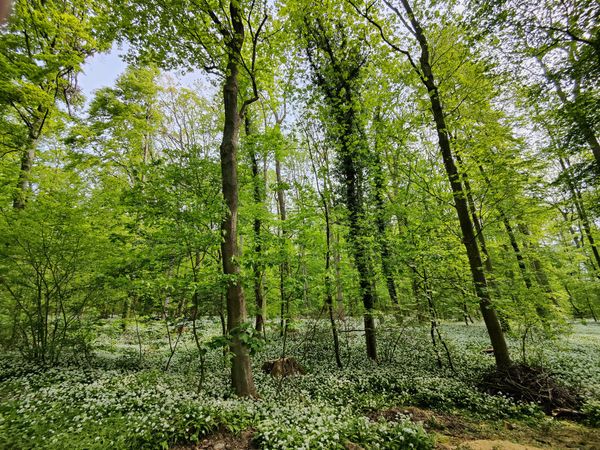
x=386 y=266
x=581 y=211
x=487 y=262
x=577 y=116
x=241 y=370
x=283 y=266
x=324 y=195
x=257 y=264
x=342 y=94
x=20 y=197
x=490 y=318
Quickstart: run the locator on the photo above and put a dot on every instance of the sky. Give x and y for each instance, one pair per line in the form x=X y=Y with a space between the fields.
x=103 y=69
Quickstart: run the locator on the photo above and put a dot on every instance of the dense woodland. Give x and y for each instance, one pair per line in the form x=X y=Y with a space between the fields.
x=357 y=208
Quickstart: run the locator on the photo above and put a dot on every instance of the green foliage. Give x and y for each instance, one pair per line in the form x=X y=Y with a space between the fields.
x=53 y=258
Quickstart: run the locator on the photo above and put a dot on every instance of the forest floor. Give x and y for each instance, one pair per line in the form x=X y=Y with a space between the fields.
x=127 y=391
x=452 y=431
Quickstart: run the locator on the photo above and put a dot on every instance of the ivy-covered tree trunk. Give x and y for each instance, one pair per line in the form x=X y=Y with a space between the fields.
x=241 y=370
x=337 y=69
x=490 y=318
x=358 y=240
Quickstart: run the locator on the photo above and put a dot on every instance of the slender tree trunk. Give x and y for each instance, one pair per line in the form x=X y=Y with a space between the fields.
x=538 y=269
x=20 y=197
x=283 y=266
x=487 y=262
x=337 y=262
x=241 y=370
x=490 y=318
x=581 y=211
x=324 y=195
x=386 y=266
x=516 y=248
x=329 y=295
x=257 y=264
x=577 y=116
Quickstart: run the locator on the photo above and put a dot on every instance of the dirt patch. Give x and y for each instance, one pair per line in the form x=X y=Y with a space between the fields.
x=450 y=424
x=484 y=444
x=452 y=432
x=222 y=440
x=456 y=431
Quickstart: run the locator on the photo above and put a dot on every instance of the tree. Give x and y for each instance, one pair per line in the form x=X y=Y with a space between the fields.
x=337 y=62
x=423 y=68
x=42 y=50
x=216 y=44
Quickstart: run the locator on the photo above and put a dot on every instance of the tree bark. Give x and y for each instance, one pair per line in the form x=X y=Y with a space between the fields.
x=386 y=266
x=20 y=197
x=581 y=212
x=490 y=318
x=257 y=265
x=324 y=195
x=241 y=370
x=283 y=266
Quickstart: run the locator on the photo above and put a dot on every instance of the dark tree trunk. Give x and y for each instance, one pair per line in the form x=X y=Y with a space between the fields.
x=516 y=249
x=20 y=197
x=241 y=370
x=324 y=195
x=490 y=318
x=386 y=266
x=338 y=78
x=357 y=237
x=487 y=262
x=257 y=264
x=283 y=266
x=581 y=212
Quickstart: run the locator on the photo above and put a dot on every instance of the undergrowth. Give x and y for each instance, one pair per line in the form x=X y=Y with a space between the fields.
x=120 y=398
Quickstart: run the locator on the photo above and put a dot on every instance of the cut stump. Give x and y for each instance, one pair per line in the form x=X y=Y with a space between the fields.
x=283 y=367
